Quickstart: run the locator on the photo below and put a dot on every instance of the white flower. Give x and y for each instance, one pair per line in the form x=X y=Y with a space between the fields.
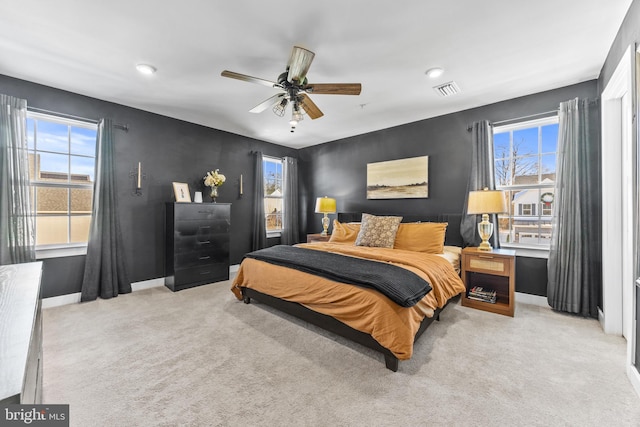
x=214 y=179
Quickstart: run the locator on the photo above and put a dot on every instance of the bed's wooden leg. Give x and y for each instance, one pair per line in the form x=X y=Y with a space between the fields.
x=438 y=317
x=247 y=300
x=391 y=362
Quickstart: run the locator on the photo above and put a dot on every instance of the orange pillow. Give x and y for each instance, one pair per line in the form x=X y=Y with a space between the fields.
x=421 y=237
x=344 y=232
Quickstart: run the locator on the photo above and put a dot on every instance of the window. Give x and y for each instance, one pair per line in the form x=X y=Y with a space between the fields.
x=525 y=167
x=273 y=201
x=527 y=209
x=62 y=173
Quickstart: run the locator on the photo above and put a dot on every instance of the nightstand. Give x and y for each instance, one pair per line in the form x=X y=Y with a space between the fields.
x=493 y=271
x=315 y=238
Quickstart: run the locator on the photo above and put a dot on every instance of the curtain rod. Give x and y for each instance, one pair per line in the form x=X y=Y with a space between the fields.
x=546 y=113
x=71 y=116
x=516 y=119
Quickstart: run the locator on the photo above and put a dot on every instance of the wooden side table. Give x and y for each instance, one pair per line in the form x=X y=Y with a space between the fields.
x=315 y=238
x=493 y=271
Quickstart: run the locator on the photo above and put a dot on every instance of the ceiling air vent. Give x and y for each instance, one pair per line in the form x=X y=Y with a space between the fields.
x=447 y=89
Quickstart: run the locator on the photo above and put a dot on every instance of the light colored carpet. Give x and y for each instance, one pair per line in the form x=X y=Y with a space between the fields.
x=199 y=357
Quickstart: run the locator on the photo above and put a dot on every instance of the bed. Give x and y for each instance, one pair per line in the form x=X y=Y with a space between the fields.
x=386 y=320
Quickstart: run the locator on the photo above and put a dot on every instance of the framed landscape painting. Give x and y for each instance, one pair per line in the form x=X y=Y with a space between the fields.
x=399 y=179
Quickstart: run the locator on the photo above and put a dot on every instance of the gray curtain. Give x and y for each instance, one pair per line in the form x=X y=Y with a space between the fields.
x=258 y=229
x=574 y=259
x=17 y=241
x=291 y=230
x=481 y=176
x=105 y=273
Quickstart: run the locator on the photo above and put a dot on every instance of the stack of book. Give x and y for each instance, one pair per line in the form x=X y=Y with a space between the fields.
x=478 y=293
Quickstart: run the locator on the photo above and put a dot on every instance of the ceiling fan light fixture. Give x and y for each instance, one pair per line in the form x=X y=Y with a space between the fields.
x=434 y=73
x=296 y=115
x=295 y=119
x=280 y=107
x=146 y=69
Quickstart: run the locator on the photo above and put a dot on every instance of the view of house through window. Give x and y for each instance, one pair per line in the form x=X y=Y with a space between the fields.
x=273 y=202
x=525 y=167
x=62 y=172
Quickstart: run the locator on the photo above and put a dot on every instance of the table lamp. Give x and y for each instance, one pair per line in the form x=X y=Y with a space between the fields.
x=486 y=202
x=325 y=205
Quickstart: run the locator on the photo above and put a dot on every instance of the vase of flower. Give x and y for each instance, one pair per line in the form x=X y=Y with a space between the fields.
x=214 y=179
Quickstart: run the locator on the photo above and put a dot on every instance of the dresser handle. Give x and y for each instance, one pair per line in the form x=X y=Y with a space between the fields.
x=204 y=226
x=204 y=242
x=204 y=257
x=204 y=272
x=485 y=256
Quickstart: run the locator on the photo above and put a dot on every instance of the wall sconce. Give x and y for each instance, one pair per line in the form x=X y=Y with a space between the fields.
x=138 y=176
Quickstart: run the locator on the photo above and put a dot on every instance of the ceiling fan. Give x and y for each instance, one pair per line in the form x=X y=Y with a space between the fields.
x=295 y=88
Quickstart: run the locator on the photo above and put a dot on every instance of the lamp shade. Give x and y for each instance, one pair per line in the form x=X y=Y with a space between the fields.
x=487 y=202
x=325 y=205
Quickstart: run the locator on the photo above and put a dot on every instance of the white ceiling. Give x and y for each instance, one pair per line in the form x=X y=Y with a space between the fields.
x=493 y=49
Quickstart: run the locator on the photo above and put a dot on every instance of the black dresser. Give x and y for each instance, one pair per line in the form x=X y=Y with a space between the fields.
x=197 y=250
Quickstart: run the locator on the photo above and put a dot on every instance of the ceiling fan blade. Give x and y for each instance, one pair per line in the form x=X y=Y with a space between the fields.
x=310 y=108
x=333 y=88
x=249 y=79
x=299 y=63
x=268 y=103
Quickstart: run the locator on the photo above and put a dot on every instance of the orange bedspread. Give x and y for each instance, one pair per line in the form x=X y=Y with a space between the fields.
x=366 y=310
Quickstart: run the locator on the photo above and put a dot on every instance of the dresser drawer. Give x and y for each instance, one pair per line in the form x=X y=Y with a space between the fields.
x=200 y=242
x=214 y=272
x=200 y=257
x=201 y=227
x=205 y=212
x=488 y=263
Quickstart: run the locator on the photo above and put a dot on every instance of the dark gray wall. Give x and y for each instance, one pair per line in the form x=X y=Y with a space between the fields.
x=628 y=34
x=170 y=150
x=338 y=168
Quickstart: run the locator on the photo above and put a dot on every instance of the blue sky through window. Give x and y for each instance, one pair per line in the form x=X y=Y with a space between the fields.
x=63 y=148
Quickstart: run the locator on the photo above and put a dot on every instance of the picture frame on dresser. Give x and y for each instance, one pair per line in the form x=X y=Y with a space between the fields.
x=181 y=192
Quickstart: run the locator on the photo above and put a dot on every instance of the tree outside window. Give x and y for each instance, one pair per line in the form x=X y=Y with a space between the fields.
x=273 y=194
x=525 y=167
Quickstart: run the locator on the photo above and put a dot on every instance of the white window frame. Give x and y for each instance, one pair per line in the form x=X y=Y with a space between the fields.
x=280 y=161
x=528 y=249
x=66 y=249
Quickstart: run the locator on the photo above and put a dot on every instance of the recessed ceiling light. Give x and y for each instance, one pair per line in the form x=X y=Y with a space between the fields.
x=146 y=69
x=434 y=72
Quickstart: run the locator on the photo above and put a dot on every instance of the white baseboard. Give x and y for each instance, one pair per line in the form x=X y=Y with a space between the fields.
x=146 y=284
x=61 y=300
x=136 y=286
x=634 y=377
x=532 y=299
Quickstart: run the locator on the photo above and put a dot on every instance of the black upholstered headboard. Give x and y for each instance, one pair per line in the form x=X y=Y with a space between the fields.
x=452 y=237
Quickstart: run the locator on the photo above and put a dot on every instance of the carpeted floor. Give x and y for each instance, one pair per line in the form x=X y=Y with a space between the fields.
x=199 y=357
